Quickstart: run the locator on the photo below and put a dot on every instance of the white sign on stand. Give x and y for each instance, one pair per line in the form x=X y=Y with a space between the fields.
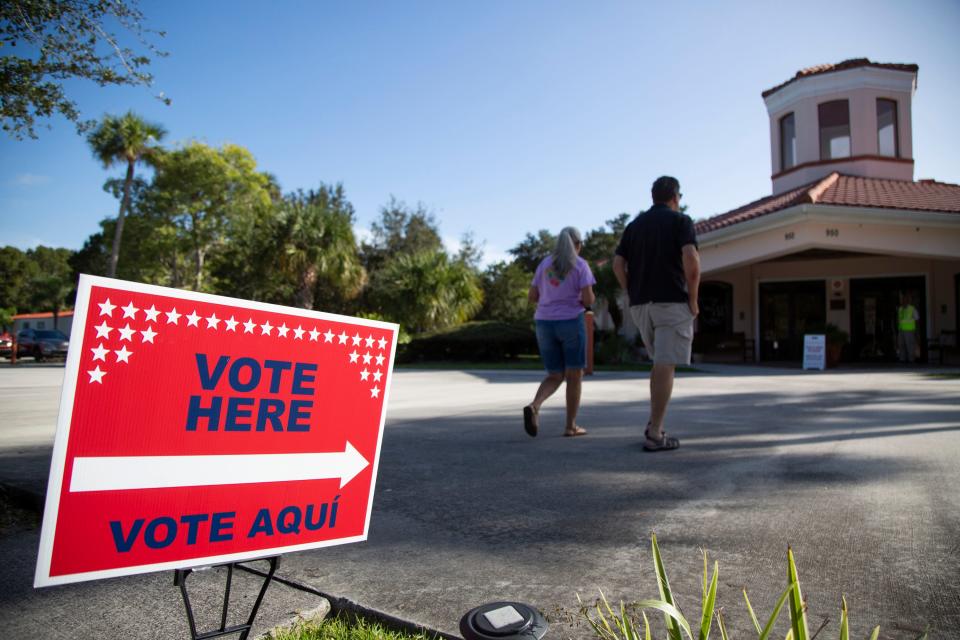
x=815 y=352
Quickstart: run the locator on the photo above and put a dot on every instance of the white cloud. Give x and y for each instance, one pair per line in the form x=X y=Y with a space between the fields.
x=30 y=180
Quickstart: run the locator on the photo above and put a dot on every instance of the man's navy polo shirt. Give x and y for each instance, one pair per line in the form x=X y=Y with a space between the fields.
x=652 y=244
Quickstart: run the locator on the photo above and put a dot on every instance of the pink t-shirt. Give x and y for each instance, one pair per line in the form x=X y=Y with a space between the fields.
x=560 y=296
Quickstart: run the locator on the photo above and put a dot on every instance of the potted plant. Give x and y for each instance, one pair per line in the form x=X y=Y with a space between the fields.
x=836 y=339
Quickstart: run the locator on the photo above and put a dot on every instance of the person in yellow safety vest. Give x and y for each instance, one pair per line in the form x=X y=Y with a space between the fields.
x=907 y=317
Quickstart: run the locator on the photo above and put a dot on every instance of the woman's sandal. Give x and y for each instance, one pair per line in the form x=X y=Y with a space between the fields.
x=531 y=421
x=577 y=431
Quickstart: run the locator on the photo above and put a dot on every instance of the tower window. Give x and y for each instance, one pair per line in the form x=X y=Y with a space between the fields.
x=888 y=140
x=834 y=129
x=788 y=142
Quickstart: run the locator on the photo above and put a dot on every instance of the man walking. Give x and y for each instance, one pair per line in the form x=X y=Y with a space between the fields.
x=657 y=263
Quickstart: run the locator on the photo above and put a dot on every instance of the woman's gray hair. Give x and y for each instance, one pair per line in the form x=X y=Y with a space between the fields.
x=565 y=253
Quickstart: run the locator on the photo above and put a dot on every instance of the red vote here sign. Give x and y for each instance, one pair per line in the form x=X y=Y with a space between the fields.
x=197 y=429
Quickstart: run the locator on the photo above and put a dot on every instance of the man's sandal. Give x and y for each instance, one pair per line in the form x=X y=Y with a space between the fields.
x=577 y=431
x=664 y=443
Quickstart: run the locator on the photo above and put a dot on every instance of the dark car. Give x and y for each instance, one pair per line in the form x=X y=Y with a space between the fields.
x=6 y=345
x=42 y=344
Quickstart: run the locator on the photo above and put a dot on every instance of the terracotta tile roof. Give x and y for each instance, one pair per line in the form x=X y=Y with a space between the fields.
x=842 y=66
x=46 y=314
x=848 y=191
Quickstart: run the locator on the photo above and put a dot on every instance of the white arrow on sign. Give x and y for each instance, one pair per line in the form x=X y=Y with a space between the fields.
x=117 y=473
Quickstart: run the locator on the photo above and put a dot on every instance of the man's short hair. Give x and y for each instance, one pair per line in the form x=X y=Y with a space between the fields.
x=665 y=189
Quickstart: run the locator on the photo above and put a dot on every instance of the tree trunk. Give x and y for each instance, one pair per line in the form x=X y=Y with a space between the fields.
x=118 y=232
x=307 y=287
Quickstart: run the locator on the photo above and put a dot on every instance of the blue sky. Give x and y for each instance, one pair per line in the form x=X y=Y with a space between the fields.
x=501 y=117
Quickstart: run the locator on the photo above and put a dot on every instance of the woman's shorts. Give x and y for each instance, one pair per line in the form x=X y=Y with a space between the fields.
x=563 y=344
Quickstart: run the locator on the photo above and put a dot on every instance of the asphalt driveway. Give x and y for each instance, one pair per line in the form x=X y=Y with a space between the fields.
x=857 y=470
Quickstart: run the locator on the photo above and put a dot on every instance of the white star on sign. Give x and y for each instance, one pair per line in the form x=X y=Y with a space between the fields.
x=212 y=321
x=249 y=325
x=266 y=328
x=380 y=359
x=343 y=338
x=130 y=311
x=328 y=336
x=354 y=356
x=231 y=324
x=364 y=374
x=103 y=331
x=173 y=317
x=148 y=334
x=298 y=332
x=193 y=319
x=96 y=375
x=356 y=340
x=99 y=353
x=152 y=313
x=375 y=392
x=382 y=342
x=314 y=335
x=106 y=309
x=376 y=376
x=367 y=358
x=369 y=341
x=282 y=330
x=127 y=333
x=123 y=355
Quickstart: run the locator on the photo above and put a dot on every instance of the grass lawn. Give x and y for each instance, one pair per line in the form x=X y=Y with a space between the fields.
x=344 y=627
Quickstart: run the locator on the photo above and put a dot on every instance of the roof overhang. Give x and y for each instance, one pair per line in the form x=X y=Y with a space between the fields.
x=830 y=213
x=865 y=230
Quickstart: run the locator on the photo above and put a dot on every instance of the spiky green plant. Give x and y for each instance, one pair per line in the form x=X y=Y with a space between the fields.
x=608 y=624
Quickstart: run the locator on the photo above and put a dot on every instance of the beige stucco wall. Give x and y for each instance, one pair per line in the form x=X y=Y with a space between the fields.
x=885 y=232
x=861 y=87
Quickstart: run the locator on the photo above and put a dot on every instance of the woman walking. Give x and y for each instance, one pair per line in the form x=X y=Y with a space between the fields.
x=561 y=288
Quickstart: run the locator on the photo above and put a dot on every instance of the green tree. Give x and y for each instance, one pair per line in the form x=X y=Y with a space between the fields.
x=400 y=230
x=599 y=244
x=126 y=139
x=6 y=318
x=56 y=41
x=51 y=286
x=16 y=272
x=202 y=197
x=532 y=249
x=426 y=290
x=300 y=252
x=505 y=287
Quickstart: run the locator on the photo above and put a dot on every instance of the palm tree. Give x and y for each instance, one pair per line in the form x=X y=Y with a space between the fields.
x=427 y=290
x=128 y=138
x=317 y=247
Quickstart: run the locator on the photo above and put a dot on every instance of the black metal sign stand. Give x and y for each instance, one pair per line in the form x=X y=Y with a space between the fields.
x=180 y=580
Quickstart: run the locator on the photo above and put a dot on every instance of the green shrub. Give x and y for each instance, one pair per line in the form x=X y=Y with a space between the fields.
x=473 y=341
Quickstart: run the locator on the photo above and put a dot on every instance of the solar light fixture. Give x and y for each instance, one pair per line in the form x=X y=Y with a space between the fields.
x=503 y=621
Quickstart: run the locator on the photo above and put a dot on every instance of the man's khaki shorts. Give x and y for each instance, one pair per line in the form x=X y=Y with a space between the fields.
x=666 y=329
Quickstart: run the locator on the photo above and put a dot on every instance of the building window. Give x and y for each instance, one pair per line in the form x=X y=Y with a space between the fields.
x=834 y=129
x=788 y=142
x=888 y=140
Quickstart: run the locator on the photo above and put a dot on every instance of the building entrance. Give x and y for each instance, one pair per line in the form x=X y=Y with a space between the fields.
x=873 y=316
x=788 y=310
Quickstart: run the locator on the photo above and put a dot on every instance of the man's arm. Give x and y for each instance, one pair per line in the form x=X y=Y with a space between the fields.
x=620 y=270
x=533 y=295
x=691 y=271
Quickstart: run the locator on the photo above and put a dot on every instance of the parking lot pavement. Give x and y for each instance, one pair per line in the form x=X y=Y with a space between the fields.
x=855 y=469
